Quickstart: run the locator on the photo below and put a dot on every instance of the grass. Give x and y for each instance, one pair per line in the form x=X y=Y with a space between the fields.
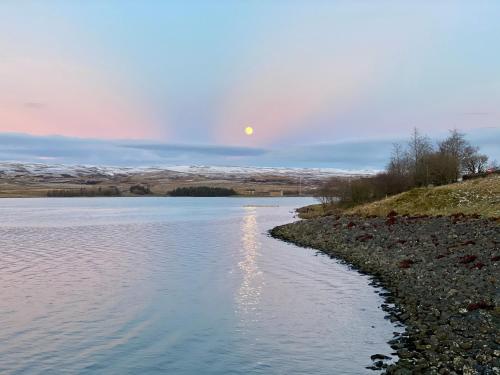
x=479 y=196
x=316 y=210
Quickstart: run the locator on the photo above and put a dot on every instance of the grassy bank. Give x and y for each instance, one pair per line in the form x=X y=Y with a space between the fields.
x=479 y=196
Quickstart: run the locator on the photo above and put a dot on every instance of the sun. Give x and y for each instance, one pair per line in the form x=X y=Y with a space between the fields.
x=248 y=130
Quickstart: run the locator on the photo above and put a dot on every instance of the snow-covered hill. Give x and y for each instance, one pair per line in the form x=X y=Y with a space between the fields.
x=13 y=169
x=270 y=171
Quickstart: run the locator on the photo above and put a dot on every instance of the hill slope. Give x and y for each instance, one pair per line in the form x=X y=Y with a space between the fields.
x=479 y=196
x=36 y=179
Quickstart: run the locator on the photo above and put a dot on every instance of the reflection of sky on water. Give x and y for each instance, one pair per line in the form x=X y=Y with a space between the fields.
x=70 y=288
x=181 y=286
x=251 y=285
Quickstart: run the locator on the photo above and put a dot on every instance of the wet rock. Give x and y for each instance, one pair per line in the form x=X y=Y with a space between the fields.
x=379 y=356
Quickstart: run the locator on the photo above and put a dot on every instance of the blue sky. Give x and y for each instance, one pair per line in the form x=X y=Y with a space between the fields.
x=310 y=77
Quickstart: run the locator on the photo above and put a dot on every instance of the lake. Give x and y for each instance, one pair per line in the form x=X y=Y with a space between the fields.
x=177 y=286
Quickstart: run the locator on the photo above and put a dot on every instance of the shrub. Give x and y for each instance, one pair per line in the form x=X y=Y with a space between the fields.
x=466 y=259
x=201 y=191
x=481 y=305
x=140 y=189
x=110 y=191
x=405 y=263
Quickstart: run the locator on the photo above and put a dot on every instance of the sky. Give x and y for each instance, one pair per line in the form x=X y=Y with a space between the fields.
x=322 y=83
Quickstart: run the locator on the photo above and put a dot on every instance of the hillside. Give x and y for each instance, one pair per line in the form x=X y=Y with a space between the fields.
x=38 y=180
x=479 y=196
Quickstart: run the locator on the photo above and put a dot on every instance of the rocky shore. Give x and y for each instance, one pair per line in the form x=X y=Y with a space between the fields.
x=442 y=275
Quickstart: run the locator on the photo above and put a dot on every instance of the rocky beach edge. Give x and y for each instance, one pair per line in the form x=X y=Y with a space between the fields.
x=441 y=274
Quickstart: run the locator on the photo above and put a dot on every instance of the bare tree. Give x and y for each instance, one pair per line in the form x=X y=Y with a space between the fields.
x=419 y=148
x=398 y=177
x=465 y=157
x=454 y=148
x=328 y=192
x=442 y=168
x=494 y=165
x=399 y=162
x=454 y=145
x=472 y=161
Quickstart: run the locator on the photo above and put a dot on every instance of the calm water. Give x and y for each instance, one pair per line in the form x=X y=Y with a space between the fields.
x=175 y=286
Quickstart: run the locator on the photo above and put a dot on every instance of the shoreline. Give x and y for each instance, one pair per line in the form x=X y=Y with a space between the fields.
x=157 y=196
x=441 y=274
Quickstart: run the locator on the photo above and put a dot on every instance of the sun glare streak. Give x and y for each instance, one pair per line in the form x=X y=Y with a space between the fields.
x=251 y=286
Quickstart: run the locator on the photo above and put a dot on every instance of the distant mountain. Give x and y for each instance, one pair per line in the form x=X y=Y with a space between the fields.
x=306 y=173
x=12 y=169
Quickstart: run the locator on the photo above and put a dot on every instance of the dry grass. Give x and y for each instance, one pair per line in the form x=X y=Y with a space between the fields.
x=21 y=189
x=479 y=196
x=318 y=210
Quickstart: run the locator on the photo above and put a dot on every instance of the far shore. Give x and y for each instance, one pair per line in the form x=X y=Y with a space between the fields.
x=154 y=196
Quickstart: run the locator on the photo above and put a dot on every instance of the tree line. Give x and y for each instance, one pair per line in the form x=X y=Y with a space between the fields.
x=201 y=191
x=110 y=191
x=415 y=163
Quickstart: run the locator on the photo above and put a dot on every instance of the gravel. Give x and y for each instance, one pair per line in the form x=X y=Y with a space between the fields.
x=442 y=277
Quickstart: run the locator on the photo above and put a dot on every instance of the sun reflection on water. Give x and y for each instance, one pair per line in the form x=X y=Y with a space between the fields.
x=251 y=285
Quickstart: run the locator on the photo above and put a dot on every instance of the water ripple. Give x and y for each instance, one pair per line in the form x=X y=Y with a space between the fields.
x=182 y=286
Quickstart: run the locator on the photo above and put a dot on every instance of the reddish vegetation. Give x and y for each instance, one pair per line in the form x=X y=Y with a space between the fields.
x=480 y=305
x=406 y=263
x=495 y=258
x=402 y=242
x=417 y=217
x=364 y=237
x=392 y=214
x=478 y=266
x=467 y=259
x=350 y=225
x=469 y=242
x=434 y=240
x=391 y=220
x=456 y=217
